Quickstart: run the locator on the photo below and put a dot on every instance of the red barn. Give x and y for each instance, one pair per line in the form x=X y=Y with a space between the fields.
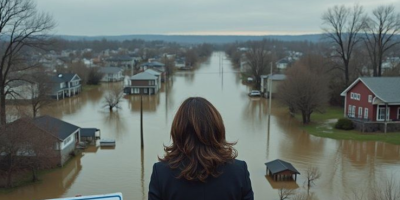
x=374 y=99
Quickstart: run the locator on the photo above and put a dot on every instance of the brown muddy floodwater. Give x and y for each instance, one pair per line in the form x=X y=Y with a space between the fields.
x=346 y=166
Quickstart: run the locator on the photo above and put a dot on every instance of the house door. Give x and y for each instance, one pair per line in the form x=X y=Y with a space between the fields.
x=145 y=90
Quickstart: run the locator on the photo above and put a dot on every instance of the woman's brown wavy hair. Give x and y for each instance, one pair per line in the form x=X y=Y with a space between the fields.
x=199 y=145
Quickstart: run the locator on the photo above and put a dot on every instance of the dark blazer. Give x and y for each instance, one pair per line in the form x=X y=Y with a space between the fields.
x=233 y=184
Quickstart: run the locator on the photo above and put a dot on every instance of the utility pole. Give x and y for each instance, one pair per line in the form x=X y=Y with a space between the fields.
x=141 y=122
x=269 y=98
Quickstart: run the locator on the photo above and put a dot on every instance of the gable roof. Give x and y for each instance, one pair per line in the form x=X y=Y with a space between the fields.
x=63 y=77
x=88 y=132
x=144 y=76
x=278 y=165
x=153 y=64
x=154 y=72
x=54 y=126
x=110 y=70
x=386 y=89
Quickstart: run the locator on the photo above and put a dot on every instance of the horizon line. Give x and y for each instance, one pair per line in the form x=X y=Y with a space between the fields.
x=177 y=34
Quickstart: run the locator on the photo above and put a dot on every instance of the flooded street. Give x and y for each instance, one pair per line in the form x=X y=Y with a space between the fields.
x=346 y=166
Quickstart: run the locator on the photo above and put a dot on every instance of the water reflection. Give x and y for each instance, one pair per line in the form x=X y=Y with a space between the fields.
x=345 y=166
x=150 y=102
x=55 y=184
x=116 y=123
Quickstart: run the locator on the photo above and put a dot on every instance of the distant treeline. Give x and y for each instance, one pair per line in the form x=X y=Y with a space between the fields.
x=197 y=39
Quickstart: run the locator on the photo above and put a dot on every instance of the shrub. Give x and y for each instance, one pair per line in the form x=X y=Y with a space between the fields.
x=344 y=124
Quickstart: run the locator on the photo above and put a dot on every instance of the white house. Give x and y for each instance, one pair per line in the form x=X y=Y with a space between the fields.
x=111 y=74
x=275 y=79
x=66 y=85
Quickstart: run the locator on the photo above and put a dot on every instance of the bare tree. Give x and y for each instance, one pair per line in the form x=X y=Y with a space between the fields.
x=285 y=193
x=259 y=60
x=113 y=98
x=78 y=68
x=94 y=76
x=304 y=196
x=388 y=189
x=304 y=91
x=25 y=147
x=342 y=28
x=169 y=64
x=380 y=35
x=40 y=91
x=191 y=57
x=21 y=27
x=312 y=174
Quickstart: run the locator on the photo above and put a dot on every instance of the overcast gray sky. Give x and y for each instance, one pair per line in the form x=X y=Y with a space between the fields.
x=231 y=17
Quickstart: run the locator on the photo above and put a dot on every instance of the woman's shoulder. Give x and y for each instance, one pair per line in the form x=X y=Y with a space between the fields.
x=236 y=164
x=232 y=163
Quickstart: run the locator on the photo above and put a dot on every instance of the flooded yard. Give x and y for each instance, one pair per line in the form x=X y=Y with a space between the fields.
x=346 y=166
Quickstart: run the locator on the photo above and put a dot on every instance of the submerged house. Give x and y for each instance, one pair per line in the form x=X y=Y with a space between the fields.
x=121 y=61
x=142 y=83
x=275 y=79
x=158 y=74
x=373 y=103
x=62 y=137
x=153 y=65
x=111 y=74
x=281 y=170
x=65 y=85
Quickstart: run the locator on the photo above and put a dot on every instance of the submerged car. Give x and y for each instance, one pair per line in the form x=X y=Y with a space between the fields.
x=255 y=93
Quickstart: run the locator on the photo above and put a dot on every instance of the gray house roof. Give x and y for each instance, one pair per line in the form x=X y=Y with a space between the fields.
x=88 y=132
x=154 y=72
x=63 y=77
x=386 y=89
x=56 y=127
x=144 y=76
x=110 y=70
x=278 y=165
x=153 y=64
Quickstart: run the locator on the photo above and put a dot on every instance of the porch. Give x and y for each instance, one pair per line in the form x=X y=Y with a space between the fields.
x=366 y=125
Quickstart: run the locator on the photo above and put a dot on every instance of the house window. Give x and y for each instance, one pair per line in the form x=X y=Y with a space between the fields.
x=369 y=98
x=145 y=90
x=151 y=82
x=352 y=111
x=360 y=110
x=366 y=113
x=381 y=114
x=349 y=111
x=67 y=141
x=398 y=113
x=136 y=90
x=355 y=96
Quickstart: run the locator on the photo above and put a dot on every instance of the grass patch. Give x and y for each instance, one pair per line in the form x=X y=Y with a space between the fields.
x=328 y=131
x=321 y=127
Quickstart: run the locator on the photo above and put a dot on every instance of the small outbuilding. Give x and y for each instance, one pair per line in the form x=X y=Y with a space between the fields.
x=90 y=134
x=281 y=170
